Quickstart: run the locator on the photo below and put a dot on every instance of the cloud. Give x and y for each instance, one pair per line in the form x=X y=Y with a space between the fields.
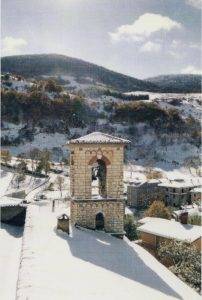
x=144 y=27
x=11 y=46
x=195 y=3
x=150 y=47
x=179 y=48
x=191 y=70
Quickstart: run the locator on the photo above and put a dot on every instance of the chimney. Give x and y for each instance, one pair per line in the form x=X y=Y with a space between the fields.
x=184 y=218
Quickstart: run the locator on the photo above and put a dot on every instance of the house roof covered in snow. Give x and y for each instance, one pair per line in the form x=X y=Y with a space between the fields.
x=196 y=190
x=170 y=229
x=98 y=138
x=179 y=184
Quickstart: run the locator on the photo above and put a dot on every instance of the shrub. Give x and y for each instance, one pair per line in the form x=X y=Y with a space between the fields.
x=51 y=86
x=5 y=156
x=184 y=261
x=160 y=119
x=158 y=210
x=130 y=227
x=154 y=175
x=195 y=220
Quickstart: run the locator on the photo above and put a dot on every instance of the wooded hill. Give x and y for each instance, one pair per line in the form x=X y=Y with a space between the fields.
x=55 y=65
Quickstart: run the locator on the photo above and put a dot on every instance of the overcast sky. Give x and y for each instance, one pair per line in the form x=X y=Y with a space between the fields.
x=142 y=38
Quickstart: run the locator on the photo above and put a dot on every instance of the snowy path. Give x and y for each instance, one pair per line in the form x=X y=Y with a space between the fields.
x=11 y=242
x=88 y=265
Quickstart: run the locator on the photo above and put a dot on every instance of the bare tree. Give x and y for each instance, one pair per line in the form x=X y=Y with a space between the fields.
x=60 y=183
x=34 y=155
x=20 y=172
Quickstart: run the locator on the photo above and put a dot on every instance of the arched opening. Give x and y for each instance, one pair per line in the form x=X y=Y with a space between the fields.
x=99 y=172
x=99 y=221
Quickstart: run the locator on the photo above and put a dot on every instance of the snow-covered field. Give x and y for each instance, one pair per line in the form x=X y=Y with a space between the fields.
x=10 y=249
x=89 y=265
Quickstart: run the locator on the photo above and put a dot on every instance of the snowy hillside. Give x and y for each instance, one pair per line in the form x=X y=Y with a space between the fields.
x=61 y=112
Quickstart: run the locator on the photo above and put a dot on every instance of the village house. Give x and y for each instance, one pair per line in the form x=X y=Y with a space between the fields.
x=96 y=182
x=177 y=192
x=156 y=230
x=139 y=194
x=174 y=192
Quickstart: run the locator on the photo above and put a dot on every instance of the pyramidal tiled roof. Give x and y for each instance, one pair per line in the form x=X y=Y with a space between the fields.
x=98 y=138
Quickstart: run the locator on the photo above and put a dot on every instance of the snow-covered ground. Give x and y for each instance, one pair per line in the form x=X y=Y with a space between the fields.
x=134 y=172
x=41 y=141
x=18 y=85
x=5 y=180
x=88 y=265
x=10 y=249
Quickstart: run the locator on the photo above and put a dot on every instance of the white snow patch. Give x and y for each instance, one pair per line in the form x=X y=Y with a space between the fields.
x=11 y=242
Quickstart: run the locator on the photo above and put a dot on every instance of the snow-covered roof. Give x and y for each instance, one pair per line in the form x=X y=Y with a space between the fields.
x=178 y=184
x=191 y=212
x=191 y=209
x=147 y=219
x=140 y=183
x=196 y=190
x=170 y=229
x=9 y=201
x=98 y=138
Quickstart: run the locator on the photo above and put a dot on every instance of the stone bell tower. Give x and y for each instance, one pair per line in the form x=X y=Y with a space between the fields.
x=96 y=182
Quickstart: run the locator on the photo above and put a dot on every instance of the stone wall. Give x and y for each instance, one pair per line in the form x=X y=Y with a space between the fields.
x=82 y=158
x=84 y=212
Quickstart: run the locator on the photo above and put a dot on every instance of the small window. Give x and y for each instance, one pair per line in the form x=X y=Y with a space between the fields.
x=173 y=190
x=80 y=149
x=72 y=152
x=167 y=189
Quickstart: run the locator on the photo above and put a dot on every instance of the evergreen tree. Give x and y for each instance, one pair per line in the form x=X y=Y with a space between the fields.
x=130 y=227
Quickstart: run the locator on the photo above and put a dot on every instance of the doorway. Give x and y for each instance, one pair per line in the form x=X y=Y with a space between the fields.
x=99 y=221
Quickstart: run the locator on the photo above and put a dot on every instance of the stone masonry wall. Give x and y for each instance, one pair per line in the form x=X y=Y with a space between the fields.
x=81 y=159
x=84 y=213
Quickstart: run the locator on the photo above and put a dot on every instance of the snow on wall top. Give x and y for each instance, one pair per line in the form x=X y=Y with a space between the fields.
x=9 y=201
x=170 y=229
x=98 y=138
